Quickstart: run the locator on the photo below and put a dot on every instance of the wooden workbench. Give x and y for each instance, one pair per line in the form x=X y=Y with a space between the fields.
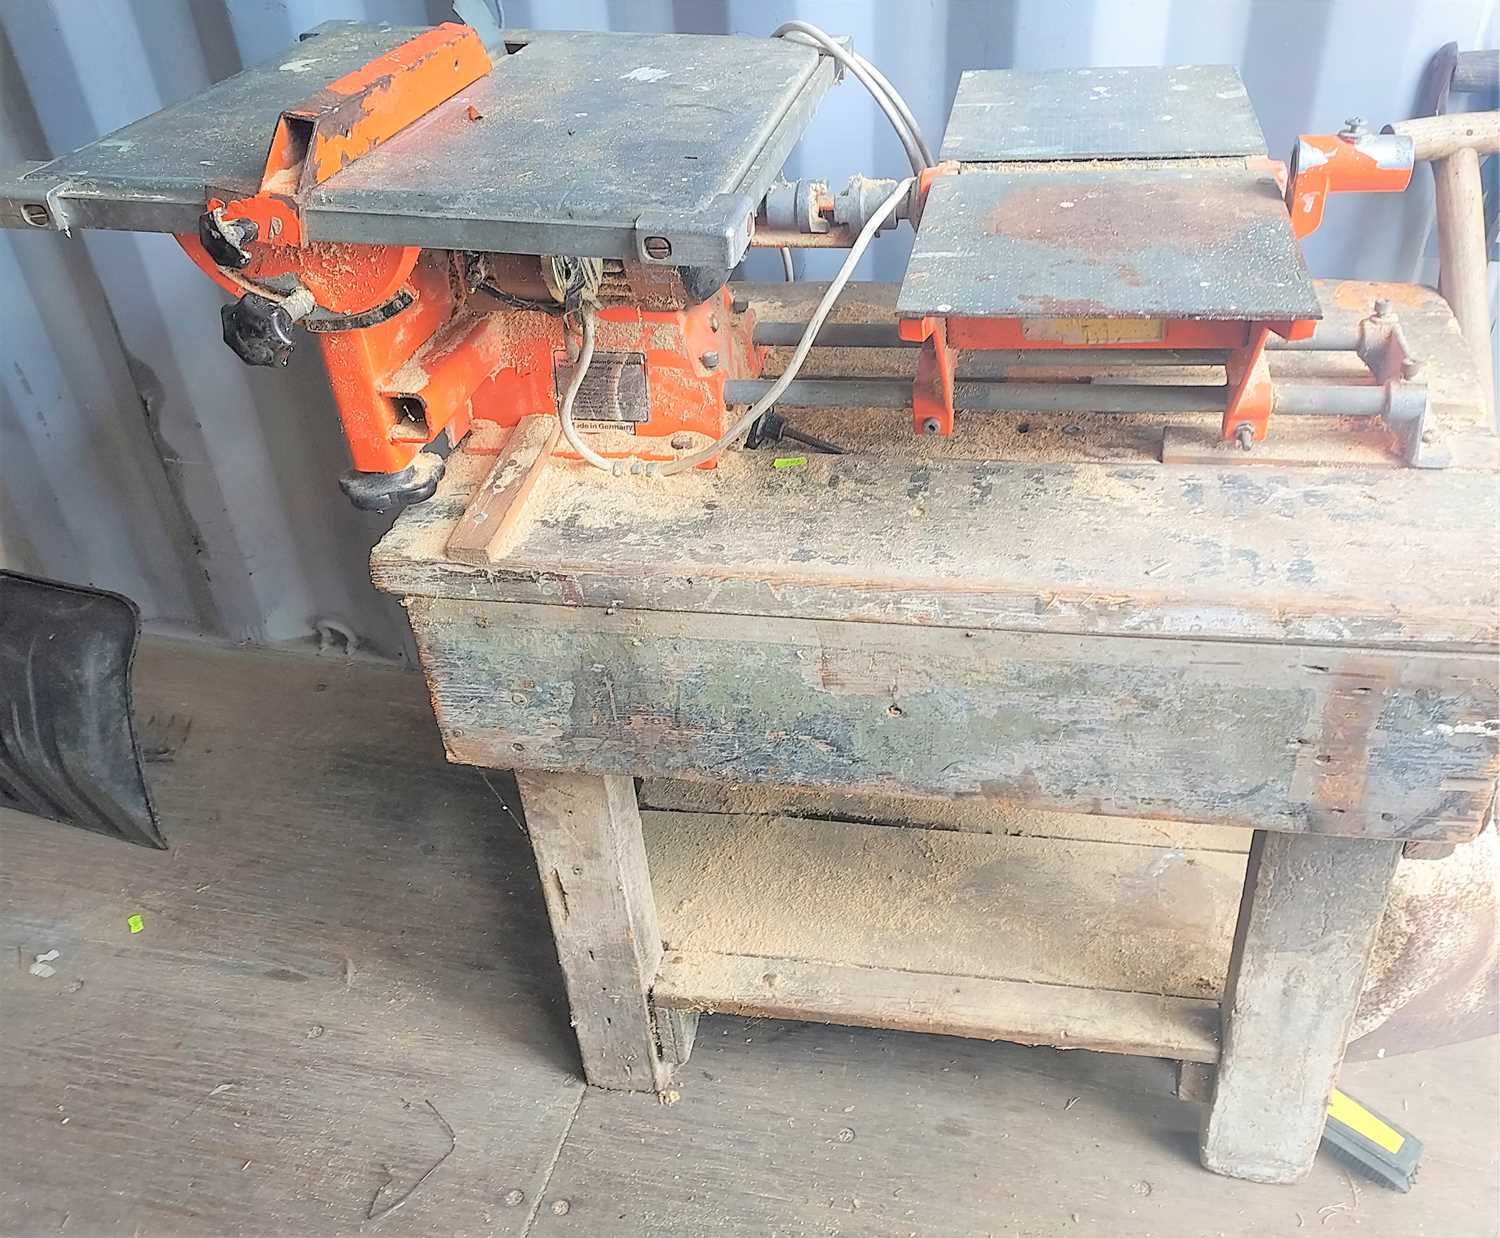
x=1039 y=613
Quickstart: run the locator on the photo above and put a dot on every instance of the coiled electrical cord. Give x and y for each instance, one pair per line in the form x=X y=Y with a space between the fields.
x=918 y=153
x=886 y=96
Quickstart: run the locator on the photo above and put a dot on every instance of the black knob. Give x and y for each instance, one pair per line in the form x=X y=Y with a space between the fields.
x=258 y=329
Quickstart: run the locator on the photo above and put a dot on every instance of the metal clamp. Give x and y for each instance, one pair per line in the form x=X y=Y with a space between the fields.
x=1384 y=349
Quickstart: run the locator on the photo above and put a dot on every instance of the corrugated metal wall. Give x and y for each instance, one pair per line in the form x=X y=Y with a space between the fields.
x=136 y=453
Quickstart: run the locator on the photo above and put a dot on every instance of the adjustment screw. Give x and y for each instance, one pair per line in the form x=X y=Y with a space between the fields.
x=658 y=247
x=1354 y=127
x=931 y=426
x=710 y=360
x=1244 y=435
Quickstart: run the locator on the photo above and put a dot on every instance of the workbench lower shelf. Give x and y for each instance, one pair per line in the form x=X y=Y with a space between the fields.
x=1075 y=943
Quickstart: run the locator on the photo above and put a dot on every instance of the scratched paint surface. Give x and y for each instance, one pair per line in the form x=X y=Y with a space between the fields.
x=1197 y=239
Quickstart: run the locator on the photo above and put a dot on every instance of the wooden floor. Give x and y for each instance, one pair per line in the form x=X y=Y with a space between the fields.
x=347 y=930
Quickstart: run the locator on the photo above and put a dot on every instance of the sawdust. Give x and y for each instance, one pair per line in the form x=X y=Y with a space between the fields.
x=1037 y=909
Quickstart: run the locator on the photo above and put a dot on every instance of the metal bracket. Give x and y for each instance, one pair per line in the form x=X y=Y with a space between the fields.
x=1384 y=349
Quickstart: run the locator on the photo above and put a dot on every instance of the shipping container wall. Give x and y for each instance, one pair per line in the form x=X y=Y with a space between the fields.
x=136 y=453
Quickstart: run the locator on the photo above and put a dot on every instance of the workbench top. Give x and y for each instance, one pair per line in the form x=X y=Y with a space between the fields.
x=1052 y=523
x=1264 y=643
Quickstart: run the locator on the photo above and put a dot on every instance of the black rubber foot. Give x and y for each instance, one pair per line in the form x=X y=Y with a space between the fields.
x=382 y=492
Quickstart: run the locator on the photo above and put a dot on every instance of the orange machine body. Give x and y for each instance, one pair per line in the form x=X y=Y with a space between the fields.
x=450 y=356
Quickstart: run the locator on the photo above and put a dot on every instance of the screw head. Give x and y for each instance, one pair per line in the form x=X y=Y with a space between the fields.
x=658 y=247
x=1383 y=307
x=931 y=426
x=710 y=360
x=739 y=305
x=1244 y=435
x=513 y=1198
x=681 y=442
x=561 y=1207
x=1354 y=127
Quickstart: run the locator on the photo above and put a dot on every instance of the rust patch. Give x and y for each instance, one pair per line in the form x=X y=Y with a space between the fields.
x=1333 y=763
x=1360 y=296
x=1124 y=216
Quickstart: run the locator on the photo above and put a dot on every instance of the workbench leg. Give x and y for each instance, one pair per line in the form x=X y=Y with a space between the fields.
x=586 y=833
x=1307 y=923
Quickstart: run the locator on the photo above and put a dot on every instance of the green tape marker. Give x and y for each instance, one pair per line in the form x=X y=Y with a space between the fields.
x=788 y=462
x=136 y=924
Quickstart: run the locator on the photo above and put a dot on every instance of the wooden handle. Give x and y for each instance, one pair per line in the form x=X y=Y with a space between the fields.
x=1463 y=277
x=1437 y=137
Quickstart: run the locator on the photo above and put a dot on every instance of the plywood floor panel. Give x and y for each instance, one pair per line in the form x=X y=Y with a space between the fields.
x=226 y=1072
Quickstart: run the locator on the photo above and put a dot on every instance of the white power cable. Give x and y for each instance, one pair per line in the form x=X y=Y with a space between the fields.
x=565 y=410
x=918 y=153
x=799 y=355
x=901 y=107
x=889 y=100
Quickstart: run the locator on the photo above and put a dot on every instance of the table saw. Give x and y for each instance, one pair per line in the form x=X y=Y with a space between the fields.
x=1121 y=512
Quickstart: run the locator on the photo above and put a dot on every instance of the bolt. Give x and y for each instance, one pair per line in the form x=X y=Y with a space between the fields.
x=1411 y=367
x=1429 y=437
x=1354 y=127
x=513 y=1198
x=681 y=442
x=1383 y=308
x=710 y=360
x=561 y=1207
x=739 y=305
x=931 y=426
x=658 y=247
x=1244 y=435
x=845 y=1135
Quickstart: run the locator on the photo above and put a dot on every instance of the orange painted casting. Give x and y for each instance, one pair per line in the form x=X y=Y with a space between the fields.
x=349 y=118
x=1336 y=164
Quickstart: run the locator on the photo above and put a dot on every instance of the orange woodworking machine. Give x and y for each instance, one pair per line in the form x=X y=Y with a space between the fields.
x=546 y=224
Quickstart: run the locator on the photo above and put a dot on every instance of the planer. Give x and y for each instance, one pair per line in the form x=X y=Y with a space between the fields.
x=544 y=223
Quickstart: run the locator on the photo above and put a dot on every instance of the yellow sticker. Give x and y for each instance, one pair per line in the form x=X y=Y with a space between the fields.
x=788 y=462
x=1357 y=1118
x=136 y=924
x=1095 y=330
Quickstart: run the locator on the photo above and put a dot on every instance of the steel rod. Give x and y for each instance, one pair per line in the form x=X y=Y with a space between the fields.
x=1328 y=400
x=988 y=397
x=1292 y=399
